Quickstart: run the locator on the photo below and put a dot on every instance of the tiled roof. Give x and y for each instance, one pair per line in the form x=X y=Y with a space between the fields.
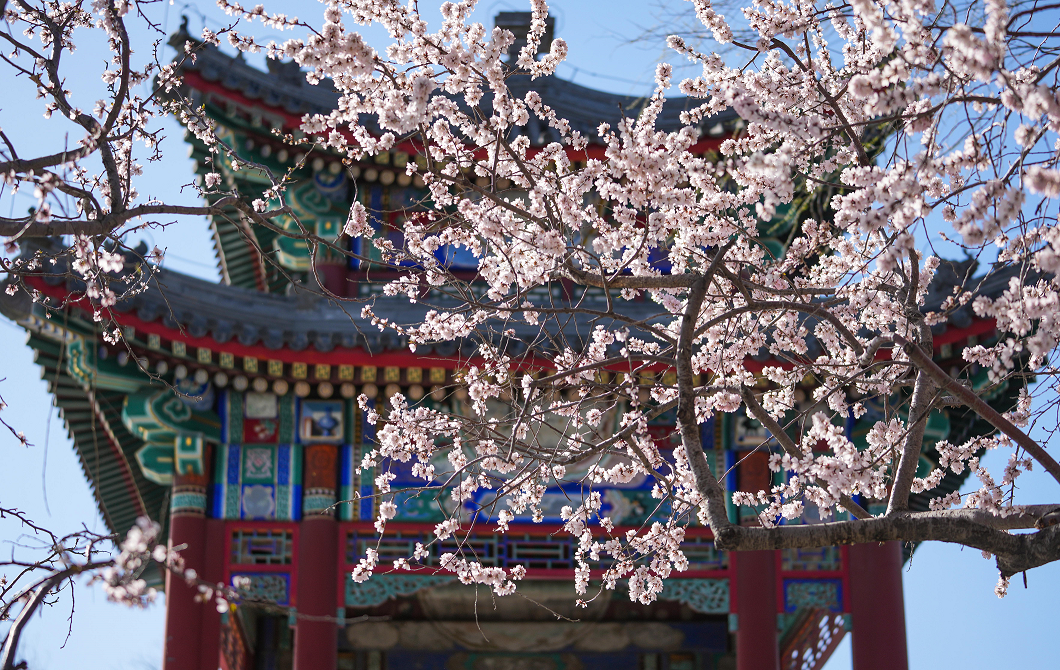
x=284 y=88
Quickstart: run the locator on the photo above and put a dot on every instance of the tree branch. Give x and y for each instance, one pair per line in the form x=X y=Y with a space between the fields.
x=792 y=449
x=979 y=406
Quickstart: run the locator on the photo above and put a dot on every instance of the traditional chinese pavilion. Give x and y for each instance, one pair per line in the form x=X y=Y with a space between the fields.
x=247 y=466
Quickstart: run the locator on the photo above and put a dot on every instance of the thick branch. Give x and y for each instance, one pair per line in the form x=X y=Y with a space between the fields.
x=789 y=446
x=107 y=224
x=629 y=281
x=971 y=528
x=23 y=165
x=14 y=633
x=706 y=483
x=919 y=409
x=979 y=406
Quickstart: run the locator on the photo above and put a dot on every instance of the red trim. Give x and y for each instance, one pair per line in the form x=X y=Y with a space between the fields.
x=809 y=574
x=361 y=357
x=255 y=567
x=197 y=81
x=265 y=526
x=956 y=334
x=309 y=356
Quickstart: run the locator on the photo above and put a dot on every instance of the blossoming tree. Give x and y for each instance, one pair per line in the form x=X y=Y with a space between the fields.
x=893 y=116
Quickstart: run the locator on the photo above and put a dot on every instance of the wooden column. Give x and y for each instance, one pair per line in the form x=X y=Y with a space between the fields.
x=182 y=647
x=877 y=607
x=214 y=572
x=756 y=607
x=332 y=274
x=316 y=642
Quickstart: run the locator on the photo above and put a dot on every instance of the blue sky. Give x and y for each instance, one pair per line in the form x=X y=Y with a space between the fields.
x=954 y=619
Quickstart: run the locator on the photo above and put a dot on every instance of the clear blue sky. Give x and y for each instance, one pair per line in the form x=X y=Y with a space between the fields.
x=953 y=617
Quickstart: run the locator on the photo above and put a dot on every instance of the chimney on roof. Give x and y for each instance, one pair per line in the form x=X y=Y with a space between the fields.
x=519 y=24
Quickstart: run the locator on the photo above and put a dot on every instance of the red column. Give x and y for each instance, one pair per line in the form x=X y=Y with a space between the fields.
x=877 y=608
x=316 y=642
x=184 y=620
x=214 y=572
x=332 y=274
x=756 y=607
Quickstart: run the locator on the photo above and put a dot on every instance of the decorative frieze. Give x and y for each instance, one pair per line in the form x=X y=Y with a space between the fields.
x=709 y=596
x=381 y=588
x=266 y=587
x=817 y=593
x=258 y=482
x=188 y=500
x=320 y=478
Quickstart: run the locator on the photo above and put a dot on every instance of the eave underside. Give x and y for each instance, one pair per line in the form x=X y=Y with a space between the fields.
x=121 y=491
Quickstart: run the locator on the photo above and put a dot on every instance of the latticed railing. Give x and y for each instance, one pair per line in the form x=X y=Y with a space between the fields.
x=262 y=547
x=532 y=550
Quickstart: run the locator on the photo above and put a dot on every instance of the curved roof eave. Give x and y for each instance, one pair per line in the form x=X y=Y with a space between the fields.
x=311 y=326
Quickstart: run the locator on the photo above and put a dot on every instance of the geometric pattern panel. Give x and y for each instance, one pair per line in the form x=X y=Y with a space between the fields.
x=533 y=551
x=235 y=650
x=262 y=547
x=261 y=418
x=817 y=559
x=630 y=503
x=349 y=482
x=703 y=555
x=258 y=481
x=826 y=594
x=357 y=485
